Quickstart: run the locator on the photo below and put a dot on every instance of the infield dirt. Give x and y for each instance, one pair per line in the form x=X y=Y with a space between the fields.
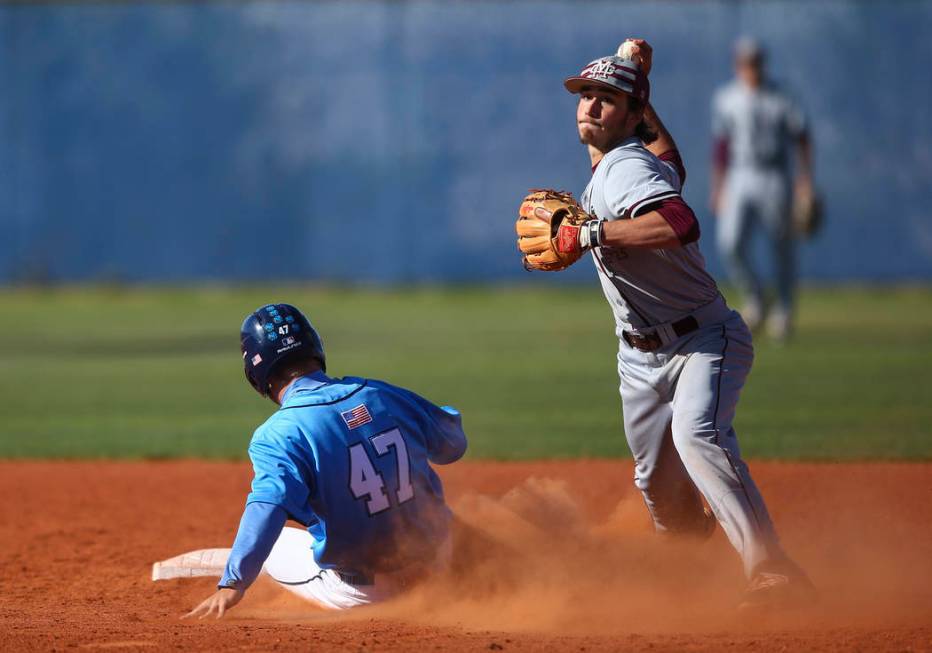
x=564 y=561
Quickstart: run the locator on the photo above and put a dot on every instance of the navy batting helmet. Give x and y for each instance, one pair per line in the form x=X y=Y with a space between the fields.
x=273 y=334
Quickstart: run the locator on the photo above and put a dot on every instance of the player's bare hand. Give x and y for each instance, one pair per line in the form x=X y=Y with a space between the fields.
x=643 y=50
x=715 y=202
x=217 y=603
x=803 y=186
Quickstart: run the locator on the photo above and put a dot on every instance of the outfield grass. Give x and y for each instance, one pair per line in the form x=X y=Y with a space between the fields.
x=157 y=373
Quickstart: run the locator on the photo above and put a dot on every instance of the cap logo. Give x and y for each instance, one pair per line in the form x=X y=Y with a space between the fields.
x=607 y=70
x=604 y=68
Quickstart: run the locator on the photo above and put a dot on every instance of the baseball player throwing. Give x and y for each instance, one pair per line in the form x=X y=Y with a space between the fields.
x=683 y=354
x=347 y=458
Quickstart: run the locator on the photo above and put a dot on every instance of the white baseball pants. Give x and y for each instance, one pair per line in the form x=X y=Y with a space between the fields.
x=291 y=565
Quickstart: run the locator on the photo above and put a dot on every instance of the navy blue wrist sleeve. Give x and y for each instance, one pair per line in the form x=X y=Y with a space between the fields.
x=259 y=528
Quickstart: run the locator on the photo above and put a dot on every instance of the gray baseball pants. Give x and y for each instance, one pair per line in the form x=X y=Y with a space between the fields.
x=754 y=200
x=679 y=404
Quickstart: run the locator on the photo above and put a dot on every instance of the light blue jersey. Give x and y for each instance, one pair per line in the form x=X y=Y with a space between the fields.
x=348 y=458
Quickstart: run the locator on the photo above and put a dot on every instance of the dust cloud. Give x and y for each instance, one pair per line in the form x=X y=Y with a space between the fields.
x=534 y=559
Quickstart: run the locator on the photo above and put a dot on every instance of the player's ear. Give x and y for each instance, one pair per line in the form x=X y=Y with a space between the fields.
x=635 y=107
x=635 y=110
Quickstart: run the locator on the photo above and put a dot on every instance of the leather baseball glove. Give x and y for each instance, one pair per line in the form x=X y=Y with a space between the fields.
x=808 y=212
x=548 y=229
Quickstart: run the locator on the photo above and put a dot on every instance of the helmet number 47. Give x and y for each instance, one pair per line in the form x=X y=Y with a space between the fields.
x=366 y=482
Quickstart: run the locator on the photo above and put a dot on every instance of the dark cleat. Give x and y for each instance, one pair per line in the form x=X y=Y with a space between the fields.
x=770 y=591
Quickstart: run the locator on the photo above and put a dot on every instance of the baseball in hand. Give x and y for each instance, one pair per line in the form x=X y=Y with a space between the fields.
x=628 y=50
x=638 y=51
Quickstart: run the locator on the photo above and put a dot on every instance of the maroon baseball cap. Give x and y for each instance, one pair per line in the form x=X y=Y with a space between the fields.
x=614 y=72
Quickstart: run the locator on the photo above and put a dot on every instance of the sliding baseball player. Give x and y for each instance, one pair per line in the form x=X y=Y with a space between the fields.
x=347 y=458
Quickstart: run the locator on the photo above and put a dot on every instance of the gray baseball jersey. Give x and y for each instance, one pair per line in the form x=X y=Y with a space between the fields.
x=644 y=287
x=760 y=125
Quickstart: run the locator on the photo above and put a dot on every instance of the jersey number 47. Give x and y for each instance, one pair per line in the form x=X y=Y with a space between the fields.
x=366 y=482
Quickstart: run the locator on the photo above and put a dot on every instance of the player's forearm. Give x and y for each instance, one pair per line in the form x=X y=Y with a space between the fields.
x=721 y=153
x=804 y=157
x=664 y=142
x=716 y=180
x=716 y=183
x=720 y=156
x=649 y=231
x=717 y=176
x=259 y=528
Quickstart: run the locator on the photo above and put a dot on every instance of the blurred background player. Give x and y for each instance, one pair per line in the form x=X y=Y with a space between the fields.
x=755 y=129
x=347 y=458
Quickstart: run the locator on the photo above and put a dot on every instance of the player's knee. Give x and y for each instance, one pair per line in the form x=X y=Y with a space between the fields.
x=694 y=440
x=691 y=427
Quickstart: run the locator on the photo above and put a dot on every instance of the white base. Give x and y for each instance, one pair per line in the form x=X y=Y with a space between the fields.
x=204 y=562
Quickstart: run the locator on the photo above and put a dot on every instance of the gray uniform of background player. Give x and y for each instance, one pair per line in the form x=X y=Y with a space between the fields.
x=679 y=401
x=760 y=128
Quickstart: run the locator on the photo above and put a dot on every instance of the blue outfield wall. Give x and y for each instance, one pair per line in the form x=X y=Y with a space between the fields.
x=392 y=141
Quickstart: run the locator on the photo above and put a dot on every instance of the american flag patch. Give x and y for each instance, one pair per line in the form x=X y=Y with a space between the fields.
x=356 y=416
x=256 y=359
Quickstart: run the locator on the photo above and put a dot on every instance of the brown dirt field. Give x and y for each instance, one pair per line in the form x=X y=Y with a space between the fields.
x=78 y=540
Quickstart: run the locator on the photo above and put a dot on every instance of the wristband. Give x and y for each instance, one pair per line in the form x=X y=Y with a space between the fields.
x=590 y=235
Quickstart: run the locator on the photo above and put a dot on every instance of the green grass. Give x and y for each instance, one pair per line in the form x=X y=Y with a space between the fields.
x=96 y=372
